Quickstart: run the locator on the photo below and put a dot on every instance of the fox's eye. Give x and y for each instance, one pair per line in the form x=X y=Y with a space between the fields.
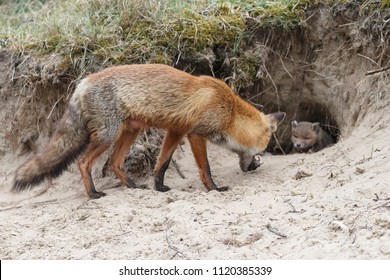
x=306 y=138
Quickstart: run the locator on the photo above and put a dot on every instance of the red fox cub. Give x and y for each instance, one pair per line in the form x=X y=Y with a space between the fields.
x=306 y=136
x=112 y=106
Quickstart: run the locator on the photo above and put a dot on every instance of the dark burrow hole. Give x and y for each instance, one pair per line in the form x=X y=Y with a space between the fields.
x=305 y=111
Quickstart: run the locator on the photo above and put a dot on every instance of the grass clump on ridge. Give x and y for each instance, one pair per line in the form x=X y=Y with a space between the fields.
x=112 y=32
x=135 y=30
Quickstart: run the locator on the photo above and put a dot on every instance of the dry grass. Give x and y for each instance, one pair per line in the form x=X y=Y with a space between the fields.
x=140 y=31
x=109 y=32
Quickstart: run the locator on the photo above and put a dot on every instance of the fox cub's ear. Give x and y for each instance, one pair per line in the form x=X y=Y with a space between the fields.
x=316 y=127
x=275 y=119
x=294 y=123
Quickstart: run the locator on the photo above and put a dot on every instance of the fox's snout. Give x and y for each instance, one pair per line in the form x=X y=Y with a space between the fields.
x=249 y=163
x=301 y=146
x=297 y=145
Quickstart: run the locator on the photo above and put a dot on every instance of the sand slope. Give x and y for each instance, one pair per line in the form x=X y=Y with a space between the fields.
x=339 y=211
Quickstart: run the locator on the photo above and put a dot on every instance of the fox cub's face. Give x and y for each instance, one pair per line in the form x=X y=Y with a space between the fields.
x=250 y=159
x=304 y=135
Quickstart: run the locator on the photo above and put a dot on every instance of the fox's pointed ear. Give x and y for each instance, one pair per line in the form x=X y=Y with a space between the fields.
x=294 y=123
x=316 y=127
x=275 y=119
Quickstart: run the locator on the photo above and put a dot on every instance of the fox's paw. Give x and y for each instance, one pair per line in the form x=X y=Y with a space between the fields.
x=163 y=188
x=223 y=189
x=96 y=195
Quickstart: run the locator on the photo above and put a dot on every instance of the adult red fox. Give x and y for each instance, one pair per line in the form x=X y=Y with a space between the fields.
x=112 y=106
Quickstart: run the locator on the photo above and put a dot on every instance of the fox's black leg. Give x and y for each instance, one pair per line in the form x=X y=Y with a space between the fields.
x=199 y=149
x=171 y=140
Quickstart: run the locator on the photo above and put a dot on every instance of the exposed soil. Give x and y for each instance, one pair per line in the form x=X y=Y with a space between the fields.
x=333 y=204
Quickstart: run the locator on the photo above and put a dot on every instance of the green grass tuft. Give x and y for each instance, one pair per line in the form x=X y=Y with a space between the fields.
x=112 y=32
x=137 y=31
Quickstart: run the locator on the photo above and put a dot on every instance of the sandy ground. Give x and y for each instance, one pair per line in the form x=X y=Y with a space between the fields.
x=341 y=210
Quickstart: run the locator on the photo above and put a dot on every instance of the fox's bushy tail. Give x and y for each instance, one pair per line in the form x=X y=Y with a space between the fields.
x=68 y=141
